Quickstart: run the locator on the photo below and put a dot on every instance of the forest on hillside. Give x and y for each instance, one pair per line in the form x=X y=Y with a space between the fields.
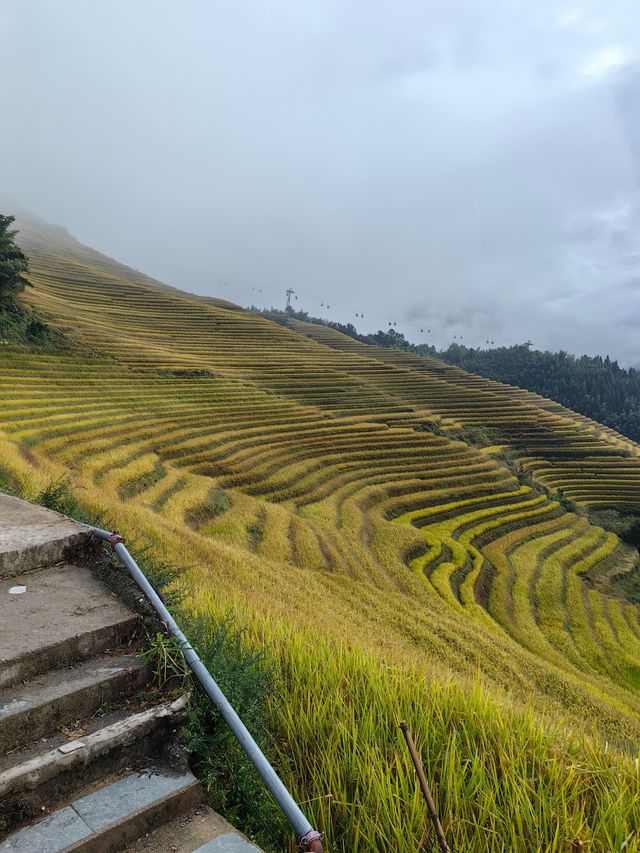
x=594 y=386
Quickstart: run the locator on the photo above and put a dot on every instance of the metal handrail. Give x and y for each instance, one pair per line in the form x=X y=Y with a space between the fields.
x=309 y=838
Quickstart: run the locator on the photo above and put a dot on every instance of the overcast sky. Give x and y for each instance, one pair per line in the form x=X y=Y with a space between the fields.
x=462 y=166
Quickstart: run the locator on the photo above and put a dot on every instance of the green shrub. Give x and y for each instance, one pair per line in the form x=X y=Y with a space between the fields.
x=624 y=525
x=20 y=326
x=249 y=684
x=480 y=435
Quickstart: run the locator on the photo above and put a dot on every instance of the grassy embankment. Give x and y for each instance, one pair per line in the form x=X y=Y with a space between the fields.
x=319 y=492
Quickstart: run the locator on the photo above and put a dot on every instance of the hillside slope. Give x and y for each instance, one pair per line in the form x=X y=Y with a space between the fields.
x=316 y=482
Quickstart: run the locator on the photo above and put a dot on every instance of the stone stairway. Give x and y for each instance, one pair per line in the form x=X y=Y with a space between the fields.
x=90 y=756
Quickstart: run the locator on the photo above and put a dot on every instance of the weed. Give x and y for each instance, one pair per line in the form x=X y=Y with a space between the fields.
x=8 y=482
x=164 y=653
x=161 y=574
x=58 y=495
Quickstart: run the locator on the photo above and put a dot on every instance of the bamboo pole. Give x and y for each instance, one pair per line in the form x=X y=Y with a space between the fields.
x=431 y=806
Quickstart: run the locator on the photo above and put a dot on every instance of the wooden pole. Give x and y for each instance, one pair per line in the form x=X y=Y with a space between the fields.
x=431 y=806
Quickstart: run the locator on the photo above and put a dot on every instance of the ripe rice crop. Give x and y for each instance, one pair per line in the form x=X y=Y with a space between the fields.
x=387 y=571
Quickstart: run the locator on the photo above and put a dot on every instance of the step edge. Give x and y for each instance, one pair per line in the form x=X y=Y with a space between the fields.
x=102 y=840
x=79 y=701
x=75 y=674
x=13 y=668
x=173 y=804
x=28 y=775
x=40 y=554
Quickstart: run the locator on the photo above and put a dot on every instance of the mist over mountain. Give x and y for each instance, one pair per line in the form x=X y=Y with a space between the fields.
x=468 y=166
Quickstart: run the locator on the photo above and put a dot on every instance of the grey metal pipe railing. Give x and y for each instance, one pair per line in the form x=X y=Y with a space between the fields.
x=309 y=838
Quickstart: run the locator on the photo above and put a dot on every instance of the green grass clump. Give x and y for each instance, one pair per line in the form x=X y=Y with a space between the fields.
x=57 y=494
x=8 y=482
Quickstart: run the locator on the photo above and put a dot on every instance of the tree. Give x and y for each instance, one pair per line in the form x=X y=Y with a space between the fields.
x=13 y=263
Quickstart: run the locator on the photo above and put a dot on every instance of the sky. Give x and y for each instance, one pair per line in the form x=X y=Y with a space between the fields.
x=469 y=169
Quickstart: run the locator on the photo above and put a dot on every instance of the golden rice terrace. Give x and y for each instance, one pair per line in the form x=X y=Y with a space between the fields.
x=323 y=491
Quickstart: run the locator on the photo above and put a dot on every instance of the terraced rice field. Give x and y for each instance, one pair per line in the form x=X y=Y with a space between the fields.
x=320 y=486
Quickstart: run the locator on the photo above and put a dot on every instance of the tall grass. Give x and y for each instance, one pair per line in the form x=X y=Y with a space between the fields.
x=505 y=778
x=504 y=781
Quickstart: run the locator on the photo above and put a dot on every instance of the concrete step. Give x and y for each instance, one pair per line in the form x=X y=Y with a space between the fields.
x=62 y=696
x=79 y=755
x=29 y=779
x=200 y=829
x=32 y=536
x=109 y=817
x=230 y=842
x=64 y=615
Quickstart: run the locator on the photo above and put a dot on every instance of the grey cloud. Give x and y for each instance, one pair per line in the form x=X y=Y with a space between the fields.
x=456 y=164
x=627 y=98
